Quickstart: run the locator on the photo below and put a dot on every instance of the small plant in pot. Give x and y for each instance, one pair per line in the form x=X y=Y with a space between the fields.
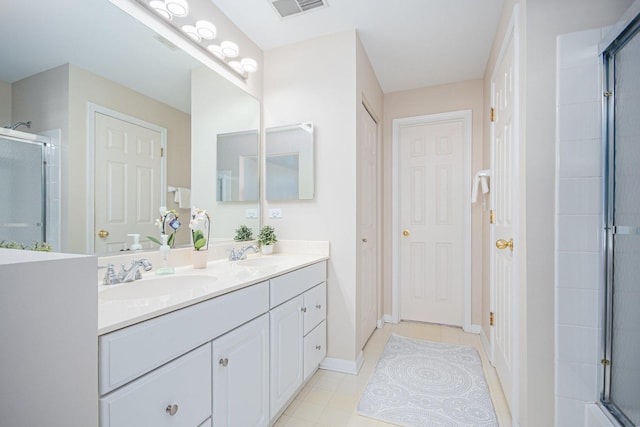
x=267 y=238
x=243 y=234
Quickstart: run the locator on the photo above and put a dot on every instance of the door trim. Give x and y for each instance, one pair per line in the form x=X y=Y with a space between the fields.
x=92 y=109
x=397 y=124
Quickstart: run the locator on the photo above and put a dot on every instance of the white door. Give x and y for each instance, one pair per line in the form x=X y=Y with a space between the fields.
x=241 y=376
x=431 y=219
x=127 y=182
x=368 y=277
x=504 y=203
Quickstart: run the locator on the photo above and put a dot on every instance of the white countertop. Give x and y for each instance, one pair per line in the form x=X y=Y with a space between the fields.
x=125 y=304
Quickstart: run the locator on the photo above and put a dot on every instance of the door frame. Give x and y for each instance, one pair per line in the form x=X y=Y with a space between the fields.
x=466 y=117
x=92 y=109
x=512 y=32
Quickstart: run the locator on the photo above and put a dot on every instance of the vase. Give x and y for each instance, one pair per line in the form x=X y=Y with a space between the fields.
x=199 y=258
x=267 y=249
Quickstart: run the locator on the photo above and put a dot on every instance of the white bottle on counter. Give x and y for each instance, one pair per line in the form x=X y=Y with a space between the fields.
x=164 y=253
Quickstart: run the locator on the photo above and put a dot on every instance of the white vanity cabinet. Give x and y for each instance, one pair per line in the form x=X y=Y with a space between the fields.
x=241 y=376
x=298 y=334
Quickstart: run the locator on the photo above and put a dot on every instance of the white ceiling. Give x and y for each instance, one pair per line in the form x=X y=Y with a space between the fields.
x=410 y=43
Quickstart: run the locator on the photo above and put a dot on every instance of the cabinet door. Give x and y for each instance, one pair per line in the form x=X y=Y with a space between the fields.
x=315 y=307
x=241 y=376
x=286 y=352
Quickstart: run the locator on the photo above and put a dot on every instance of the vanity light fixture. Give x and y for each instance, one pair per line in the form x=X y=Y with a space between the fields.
x=216 y=50
x=236 y=66
x=229 y=49
x=206 y=29
x=160 y=8
x=178 y=8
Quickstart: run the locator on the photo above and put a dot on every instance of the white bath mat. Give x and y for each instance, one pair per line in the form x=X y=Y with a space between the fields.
x=426 y=384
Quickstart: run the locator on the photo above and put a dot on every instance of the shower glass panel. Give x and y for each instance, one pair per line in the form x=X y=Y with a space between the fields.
x=22 y=191
x=622 y=372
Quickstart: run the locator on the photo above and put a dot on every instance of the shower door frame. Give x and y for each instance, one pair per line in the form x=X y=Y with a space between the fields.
x=42 y=142
x=629 y=31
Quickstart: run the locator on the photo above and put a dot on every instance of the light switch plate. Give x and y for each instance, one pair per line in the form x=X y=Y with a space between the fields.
x=275 y=213
x=251 y=213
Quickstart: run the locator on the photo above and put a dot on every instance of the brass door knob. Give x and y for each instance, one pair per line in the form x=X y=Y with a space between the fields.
x=503 y=244
x=103 y=233
x=405 y=233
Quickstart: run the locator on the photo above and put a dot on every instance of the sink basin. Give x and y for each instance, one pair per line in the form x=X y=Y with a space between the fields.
x=155 y=287
x=259 y=262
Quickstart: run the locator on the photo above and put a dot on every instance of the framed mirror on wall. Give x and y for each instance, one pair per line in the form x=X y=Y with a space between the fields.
x=132 y=71
x=289 y=162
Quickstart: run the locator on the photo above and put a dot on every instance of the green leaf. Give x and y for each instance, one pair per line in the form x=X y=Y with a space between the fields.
x=199 y=244
x=154 y=240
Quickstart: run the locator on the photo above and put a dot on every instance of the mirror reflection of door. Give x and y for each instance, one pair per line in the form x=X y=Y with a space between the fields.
x=128 y=182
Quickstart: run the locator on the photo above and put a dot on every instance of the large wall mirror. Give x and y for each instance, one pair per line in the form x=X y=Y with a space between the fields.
x=289 y=163
x=62 y=62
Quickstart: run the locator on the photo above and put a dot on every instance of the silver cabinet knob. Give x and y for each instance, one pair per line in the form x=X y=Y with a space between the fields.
x=318 y=306
x=303 y=309
x=318 y=347
x=364 y=240
x=224 y=362
x=172 y=409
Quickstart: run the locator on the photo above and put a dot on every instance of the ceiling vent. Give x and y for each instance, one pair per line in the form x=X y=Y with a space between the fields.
x=287 y=8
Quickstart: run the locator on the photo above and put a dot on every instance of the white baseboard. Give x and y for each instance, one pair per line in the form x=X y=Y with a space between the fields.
x=343 y=365
x=485 y=344
x=473 y=329
x=388 y=319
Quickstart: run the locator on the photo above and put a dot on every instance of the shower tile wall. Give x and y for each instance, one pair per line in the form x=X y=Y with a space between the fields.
x=578 y=287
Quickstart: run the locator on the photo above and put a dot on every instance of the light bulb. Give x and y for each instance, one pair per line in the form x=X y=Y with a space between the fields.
x=249 y=65
x=229 y=49
x=160 y=8
x=177 y=8
x=191 y=31
x=216 y=50
x=206 y=30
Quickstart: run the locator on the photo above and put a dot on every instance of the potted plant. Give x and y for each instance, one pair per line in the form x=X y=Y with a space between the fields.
x=267 y=238
x=199 y=225
x=243 y=234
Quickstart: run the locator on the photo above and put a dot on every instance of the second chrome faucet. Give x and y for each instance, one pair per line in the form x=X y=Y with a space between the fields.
x=237 y=254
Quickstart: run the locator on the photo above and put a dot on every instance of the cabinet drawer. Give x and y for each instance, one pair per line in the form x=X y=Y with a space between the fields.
x=315 y=349
x=128 y=353
x=315 y=304
x=287 y=286
x=185 y=382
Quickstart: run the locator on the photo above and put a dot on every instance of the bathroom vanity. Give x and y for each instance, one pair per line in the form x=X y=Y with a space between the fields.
x=233 y=350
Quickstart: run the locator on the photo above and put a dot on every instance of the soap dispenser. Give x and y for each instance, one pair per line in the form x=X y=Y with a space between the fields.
x=164 y=254
x=135 y=246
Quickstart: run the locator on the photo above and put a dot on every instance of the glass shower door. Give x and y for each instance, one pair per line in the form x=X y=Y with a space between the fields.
x=622 y=361
x=22 y=191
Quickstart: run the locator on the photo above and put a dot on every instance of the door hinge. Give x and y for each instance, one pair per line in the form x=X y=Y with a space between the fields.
x=492 y=216
x=161 y=151
x=493 y=114
x=491 y=318
x=605 y=362
x=607 y=93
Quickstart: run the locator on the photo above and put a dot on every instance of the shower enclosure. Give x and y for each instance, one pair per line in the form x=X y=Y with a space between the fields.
x=23 y=187
x=622 y=226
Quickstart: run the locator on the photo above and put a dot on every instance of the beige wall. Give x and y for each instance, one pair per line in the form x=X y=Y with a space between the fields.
x=431 y=100
x=315 y=81
x=541 y=22
x=368 y=92
x=5 y=103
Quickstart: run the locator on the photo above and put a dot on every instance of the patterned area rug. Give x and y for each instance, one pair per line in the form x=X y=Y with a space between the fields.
x=426 y=384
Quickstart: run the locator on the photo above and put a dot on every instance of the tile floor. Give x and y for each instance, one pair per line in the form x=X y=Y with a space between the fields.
x=331 y=399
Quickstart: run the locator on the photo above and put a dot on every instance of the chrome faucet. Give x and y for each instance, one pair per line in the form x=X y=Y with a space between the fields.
x=133 y=273
x=241 y=253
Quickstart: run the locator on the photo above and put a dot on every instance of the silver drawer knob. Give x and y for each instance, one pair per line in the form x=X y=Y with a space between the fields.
x=224 y=362
x=318 y=347
x=303 y=309
x=318 y=306
x=172 y=409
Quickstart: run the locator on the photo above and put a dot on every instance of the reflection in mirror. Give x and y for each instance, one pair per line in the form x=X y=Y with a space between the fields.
x=238 y=166
x=52 y=73
x=289 y=162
